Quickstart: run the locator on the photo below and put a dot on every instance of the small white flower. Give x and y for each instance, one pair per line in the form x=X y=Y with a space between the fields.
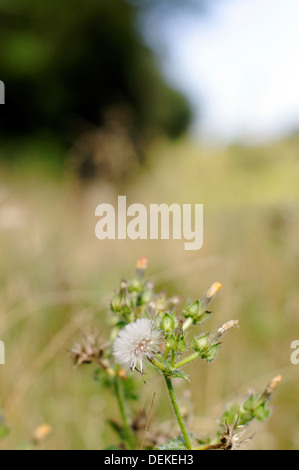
x=135 y=342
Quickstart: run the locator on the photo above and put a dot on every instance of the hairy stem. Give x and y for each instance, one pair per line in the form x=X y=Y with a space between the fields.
x=178 y=413
x=123 y=410
x=158 y=364
x=187 y=359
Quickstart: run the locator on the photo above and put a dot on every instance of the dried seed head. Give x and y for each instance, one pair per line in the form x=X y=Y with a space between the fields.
x=88 y=351
x=136 y=342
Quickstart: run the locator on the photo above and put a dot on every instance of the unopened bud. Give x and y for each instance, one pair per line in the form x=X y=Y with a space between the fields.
x=179 y=329
x=213 y=290
x=141 y=266
x=167 y=323
x=193 y=310
x=200 y=343
x=142 y=263
x=272 y=386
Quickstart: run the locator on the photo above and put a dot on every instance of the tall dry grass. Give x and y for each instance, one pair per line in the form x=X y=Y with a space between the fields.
x=56 y=279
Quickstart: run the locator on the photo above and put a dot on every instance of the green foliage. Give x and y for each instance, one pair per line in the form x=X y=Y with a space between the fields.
x=197 y=311
x=71 y=62
x=174 y=444
x=137 y=300
x=256 y=406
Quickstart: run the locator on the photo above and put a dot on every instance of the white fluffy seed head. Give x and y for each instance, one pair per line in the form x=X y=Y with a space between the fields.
x=135 y=342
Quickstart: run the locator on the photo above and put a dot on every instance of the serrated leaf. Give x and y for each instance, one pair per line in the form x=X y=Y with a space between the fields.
x=262 y=413
x=212 y=353
x=181 y=344
x=174 y=444
x=249 y=403
x=177 y=374
x=231 y=414
x=117 y=429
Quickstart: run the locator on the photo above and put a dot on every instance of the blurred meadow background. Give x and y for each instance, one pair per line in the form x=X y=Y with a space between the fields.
x=102 y=100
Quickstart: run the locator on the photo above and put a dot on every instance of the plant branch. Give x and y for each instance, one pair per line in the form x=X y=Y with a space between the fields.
x=123 y=410
x=178 y=413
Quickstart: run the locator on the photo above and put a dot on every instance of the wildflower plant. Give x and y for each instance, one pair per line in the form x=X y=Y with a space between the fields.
x=149 y=329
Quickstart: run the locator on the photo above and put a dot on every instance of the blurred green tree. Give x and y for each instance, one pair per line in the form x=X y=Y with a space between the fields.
x=66 y=63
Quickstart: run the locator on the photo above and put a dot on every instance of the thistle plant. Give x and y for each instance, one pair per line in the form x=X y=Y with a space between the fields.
x=150 y=331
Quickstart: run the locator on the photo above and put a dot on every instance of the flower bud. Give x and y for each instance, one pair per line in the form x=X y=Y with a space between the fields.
x=141 y=266
x=167 y=323
x=193 y=310
x=213 y=290
x=200 y=343
x=272 y=386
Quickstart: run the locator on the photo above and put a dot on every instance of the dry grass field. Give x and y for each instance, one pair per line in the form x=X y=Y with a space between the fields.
x=57 y=278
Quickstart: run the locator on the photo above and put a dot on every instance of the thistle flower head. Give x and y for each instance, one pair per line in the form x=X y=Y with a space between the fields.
x=136 y=342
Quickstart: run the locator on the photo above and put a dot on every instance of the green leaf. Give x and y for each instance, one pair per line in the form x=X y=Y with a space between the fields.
x=249 y=403
x=174 y=444
x=178 y=374
x=192 y=310
x=231 y=414
x=130 y=386
x=117 y=429
x=262 y=413
x=212 y=353
x=181 y=346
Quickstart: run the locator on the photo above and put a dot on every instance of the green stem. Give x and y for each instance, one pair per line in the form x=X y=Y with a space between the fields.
x=158 y=364
x=172 y=358
x=178 y=413
x=123 y=410
x=187 y=359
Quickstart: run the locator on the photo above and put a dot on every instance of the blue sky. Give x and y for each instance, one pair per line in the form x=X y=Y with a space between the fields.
x=239 y=66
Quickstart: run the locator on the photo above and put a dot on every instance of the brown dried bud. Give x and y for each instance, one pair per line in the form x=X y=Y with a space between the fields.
x=272 y=386
x=88 y=351
x=227 y=326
